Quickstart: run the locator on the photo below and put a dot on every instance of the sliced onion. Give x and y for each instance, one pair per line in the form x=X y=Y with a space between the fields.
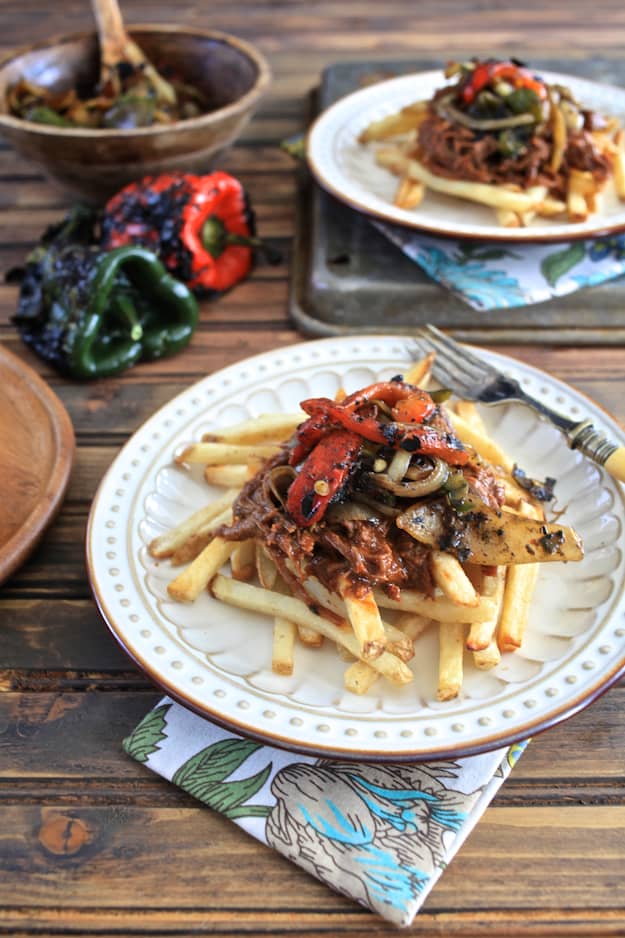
x=414 y=488
x=398 y=465
x=387 y=510
x=353 y=511
x=444 y=108
x=278 y=482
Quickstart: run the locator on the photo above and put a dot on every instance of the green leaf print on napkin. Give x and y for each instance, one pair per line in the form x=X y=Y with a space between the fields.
x=204 y=776
x=144 y=739
x=559 y=263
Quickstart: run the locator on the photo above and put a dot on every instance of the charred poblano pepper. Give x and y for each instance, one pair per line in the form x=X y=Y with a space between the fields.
x=94 y=313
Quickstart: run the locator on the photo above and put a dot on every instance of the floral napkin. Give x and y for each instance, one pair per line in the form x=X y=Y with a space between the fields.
x=499 y=276
x=381 y=834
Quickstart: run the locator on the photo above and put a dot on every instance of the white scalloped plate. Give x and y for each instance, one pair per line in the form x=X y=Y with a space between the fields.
x=348 y=170
x=216 y=659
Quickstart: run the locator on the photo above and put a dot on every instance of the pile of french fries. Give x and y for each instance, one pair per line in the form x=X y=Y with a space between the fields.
x=479 y=612
x=514 y=207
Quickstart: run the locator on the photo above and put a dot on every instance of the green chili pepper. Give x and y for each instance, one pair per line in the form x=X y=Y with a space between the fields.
x=93 y=313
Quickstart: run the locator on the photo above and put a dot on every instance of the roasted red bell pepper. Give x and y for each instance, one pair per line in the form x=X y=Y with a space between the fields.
x=200 y=226
x=324 y=472
x=485 y=73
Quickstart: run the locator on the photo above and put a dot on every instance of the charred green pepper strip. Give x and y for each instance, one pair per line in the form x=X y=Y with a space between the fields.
x=160 y=313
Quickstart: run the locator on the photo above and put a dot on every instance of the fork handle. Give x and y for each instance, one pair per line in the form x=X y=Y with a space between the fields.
x=615 y=464
x=581 y=435
x=597 y=447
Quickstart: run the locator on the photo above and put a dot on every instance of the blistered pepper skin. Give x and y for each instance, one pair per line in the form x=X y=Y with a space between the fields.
x=322 y=475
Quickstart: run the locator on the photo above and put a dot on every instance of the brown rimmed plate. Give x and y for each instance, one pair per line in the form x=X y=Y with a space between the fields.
x=348 y=170
x=216 y=659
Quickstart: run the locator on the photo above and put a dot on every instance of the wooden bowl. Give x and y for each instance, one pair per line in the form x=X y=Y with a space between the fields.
x=231 y=73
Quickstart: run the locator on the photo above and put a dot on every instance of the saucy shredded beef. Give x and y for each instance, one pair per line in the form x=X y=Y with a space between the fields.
x=457 y=152
x=372 y=553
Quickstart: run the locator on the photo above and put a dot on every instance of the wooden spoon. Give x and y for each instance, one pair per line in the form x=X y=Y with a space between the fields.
x=118 y=49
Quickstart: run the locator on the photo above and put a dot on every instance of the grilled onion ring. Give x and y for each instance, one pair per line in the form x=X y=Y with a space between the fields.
x=414 y=488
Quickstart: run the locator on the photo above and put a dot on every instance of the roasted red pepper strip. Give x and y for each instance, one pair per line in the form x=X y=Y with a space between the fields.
x=393 y=393
x=420 y=439
x=309 y=433
x=486 y=72
x=322 y=475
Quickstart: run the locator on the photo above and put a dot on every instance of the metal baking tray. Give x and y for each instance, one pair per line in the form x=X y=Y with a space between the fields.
x=346 y=277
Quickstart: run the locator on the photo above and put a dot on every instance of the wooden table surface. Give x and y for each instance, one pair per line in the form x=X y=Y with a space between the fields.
x=90 y=842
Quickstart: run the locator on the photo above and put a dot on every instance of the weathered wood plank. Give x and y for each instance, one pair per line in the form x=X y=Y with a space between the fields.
x=47 y=707
x=53 y=854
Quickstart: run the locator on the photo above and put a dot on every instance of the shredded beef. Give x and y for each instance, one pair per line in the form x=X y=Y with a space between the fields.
x=457 y=152
x=373 y=553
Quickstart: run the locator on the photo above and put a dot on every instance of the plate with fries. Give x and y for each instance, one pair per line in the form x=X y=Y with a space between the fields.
x=359 y=150
x=455 y=674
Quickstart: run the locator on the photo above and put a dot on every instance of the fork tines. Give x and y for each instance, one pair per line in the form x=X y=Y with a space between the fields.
x=454 y=364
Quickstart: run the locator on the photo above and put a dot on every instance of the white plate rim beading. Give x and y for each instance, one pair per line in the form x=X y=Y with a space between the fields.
x=114 y=544
x=348 y=170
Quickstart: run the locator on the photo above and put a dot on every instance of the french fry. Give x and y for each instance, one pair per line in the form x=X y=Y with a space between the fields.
x=409 y=194
x=261 y=429
x=450 y=661
x=165 y=544
x=481 y=634
x=284 y=632
x=497 y=197
x=507 y=218
x=396 y=640
x=403 y=122
x=468 y=411
x=618 y=166
x=197 y=541
x=243 y=560
x=223 y=454
x=271 y=603
x=227 y=475
x=520 y=585
x=437 y=607
x=308 y=636
x=364 y=617
x=412 y=624
x=448 y=574
x=393 y=158
x=189 y=584
x=360 y=677
x=581 y=188
x=420 y=373
x=489 y=657
x=550 y=207
x=481 y=443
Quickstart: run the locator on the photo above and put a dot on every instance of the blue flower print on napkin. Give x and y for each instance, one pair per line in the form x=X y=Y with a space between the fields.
x=497 y=277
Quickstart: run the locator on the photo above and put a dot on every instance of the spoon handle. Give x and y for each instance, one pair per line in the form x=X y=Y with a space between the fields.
x=114 y=39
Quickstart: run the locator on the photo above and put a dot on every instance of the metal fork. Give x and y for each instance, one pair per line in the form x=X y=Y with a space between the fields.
x=474 y=379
